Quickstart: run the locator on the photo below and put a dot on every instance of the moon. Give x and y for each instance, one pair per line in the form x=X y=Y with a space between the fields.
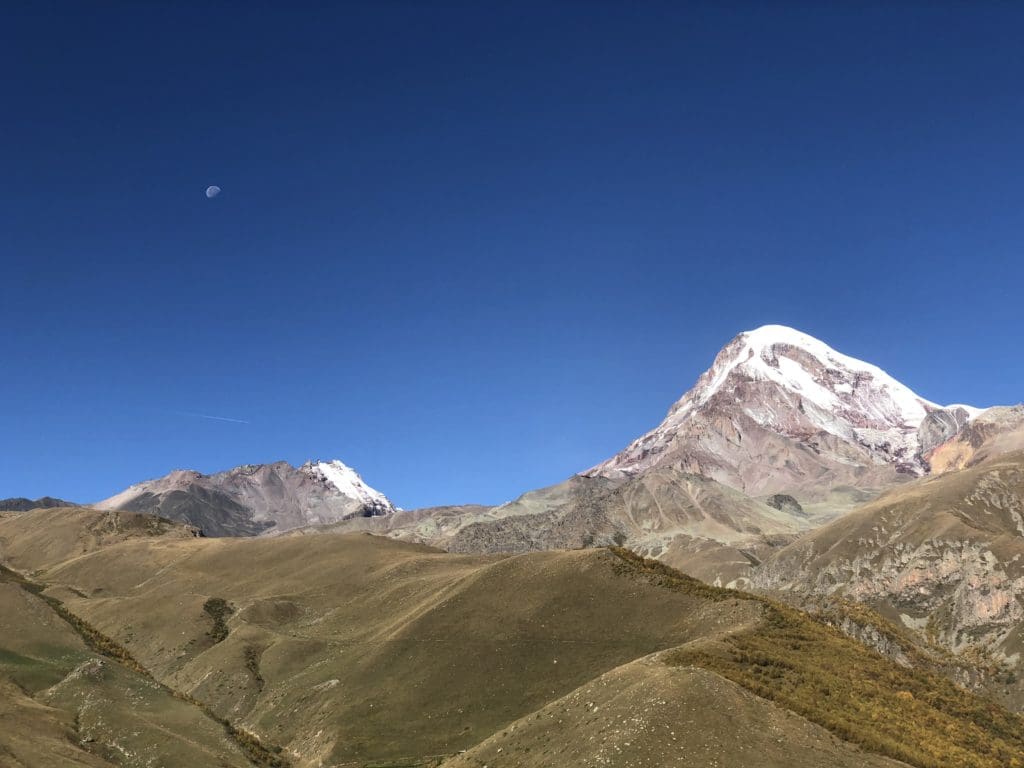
x=212 y=191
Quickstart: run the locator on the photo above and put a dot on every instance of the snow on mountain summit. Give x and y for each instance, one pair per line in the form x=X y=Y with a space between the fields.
x=817 y=373
x=255 y=499
x=348 y=482
x=785 y=384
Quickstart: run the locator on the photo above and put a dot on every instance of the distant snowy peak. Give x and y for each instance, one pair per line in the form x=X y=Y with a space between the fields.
x=813 y=371
x=347 y=482
x=256 y=499
x=793 y=385
x=821 y=374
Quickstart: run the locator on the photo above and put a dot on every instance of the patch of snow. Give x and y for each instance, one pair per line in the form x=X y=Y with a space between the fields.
x=798 y=378
x=349 y=483
x=972 y=411
x=751 y=360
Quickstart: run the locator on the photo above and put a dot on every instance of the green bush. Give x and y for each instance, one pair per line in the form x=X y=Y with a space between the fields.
x=218 y=609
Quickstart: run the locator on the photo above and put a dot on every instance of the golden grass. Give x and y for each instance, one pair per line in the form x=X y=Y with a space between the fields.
x=811 y=668
x=252 y=747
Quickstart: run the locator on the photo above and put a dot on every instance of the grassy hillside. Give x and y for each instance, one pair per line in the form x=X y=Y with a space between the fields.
x=648 y=713
x=357 y=648
x=67 y=698
x=34 y=734
x=360 y=650
x=808 y=666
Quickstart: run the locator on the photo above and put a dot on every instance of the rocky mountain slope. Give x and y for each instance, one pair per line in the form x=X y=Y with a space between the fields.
x=943 y=555
x=940 y=555
x=357 y=650
x=781 y=434
x=782 y=412
x=650 y=512
x=255 y=498
x=994 y=432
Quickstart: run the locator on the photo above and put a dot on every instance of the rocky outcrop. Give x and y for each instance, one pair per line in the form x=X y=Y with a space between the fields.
x=785 y=503
x=996 y=431
x=647 y=513
x=944 y=556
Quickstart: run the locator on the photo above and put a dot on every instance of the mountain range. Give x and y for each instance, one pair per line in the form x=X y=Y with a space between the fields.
x=22 y=504
x=854 y=596
x=779 y=434
x=780 y=446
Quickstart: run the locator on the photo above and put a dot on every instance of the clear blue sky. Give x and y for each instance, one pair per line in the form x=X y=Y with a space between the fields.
x=473 y=248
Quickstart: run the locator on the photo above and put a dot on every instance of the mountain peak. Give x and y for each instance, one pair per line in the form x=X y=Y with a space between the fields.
x=256 y=498
x=811 y=369
x=780 y=409
x=347 y=481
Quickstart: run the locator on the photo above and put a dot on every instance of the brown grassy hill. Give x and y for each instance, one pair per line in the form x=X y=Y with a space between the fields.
x=32 y=733
x=55 y=535
x=62 y=703
x=360 y=650
x=648 y=713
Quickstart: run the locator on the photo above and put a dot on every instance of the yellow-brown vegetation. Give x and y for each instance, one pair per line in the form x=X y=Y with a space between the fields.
x=811 y=668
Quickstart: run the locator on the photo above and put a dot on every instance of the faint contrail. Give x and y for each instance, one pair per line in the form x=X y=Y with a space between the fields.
x=214 y=418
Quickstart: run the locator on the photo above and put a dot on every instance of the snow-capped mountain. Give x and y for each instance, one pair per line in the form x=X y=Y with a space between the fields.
x=781 y=434
x=256 y=498
x=781 y=411
x=348 y=482
x=780 y=417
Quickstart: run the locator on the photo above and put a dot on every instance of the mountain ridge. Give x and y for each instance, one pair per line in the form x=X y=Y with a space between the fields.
x=778 y=415
x=23 y=504
x=254 y=499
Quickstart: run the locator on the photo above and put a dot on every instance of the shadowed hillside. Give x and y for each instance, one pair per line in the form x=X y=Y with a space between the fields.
x=68 y=697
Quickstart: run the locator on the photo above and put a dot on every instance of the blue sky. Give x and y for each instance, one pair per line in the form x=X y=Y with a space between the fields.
x=473 y=248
